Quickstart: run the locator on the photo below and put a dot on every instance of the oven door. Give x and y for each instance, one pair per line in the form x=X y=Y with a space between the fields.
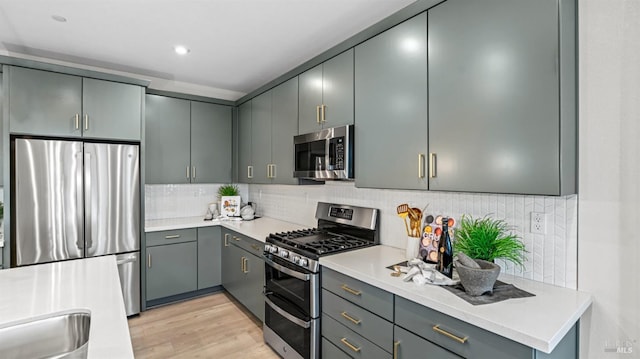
x=290 y=334
x=297 y=286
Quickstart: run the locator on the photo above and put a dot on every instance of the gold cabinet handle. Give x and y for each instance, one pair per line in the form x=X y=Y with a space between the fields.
x=226 y=239
x=242 y=264
x=273 y=170
x=86 y=122
x=350 y=318
x=432 y=165
x=349 y=345
x=420 y=165
x=249 y=171
x=187 y=172
x=349 y=290
x=245 y=267
x=173 y=236
x=323 y=111
x=149 y=260
x=236 y=238
x=255 y=247
x=317 y=114
x=77 y=118
x=436 y=328
x=396 y=345
x=193 y=172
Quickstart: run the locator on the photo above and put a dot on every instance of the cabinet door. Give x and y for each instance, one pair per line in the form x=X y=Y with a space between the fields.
x=171 y=269
x=209 y=257
x=284 y=125
x=309 y=98
x=261 y=137
x=253 y=287
x=167 y=140
x=409 y=346
x=337 y=90
x=391 y=108
x=494 y=96
x=231 y=266
x=44 y=103
x=111 y=110
x=211 y=135
x=244 y=143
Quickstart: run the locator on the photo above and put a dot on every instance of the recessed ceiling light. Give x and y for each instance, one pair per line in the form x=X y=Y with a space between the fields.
x=59 y=18
x=181 y=50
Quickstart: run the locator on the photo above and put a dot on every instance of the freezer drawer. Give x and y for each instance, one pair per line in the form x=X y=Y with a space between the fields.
x=129 y=271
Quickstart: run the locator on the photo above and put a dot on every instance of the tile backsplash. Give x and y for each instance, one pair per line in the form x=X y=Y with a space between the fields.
x=551 y=257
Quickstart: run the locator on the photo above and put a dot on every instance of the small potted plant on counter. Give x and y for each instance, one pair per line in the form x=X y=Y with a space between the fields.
x=479 y=242
x=229 y=200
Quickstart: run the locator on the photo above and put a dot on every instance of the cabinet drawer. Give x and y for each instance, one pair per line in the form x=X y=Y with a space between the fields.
x=411 y=346
x=330 y=351
x=368 y=297
x=170 y=237
x=346 y=339
x=361 y=321
x=455 y=335
x=247 y=243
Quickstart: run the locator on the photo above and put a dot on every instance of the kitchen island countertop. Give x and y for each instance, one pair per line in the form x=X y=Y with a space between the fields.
x=539 y=322
x=89 y=284
x=257 y=229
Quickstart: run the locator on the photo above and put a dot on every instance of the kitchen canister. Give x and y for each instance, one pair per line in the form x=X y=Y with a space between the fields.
x=413 y=246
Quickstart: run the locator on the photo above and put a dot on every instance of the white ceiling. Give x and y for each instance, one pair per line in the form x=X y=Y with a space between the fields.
x=236 y=45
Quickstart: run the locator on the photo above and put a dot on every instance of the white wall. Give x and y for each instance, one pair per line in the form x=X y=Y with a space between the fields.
x=609 y=180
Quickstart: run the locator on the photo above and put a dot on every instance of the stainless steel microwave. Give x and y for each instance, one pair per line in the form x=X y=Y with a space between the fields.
x=324 y=155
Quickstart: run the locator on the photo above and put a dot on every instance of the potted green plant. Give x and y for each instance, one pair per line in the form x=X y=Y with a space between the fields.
x=478 y=243
x=228 y=195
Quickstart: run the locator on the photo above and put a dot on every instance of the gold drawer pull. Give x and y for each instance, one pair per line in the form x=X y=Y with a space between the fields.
x=173 y=236
x=255 y=247
x=236 y=238
x=352 y=291
x=350 y=318
x=436 y=328
x=349 y=345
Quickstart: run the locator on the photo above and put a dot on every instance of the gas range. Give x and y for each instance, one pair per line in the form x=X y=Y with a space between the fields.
x=340 y=228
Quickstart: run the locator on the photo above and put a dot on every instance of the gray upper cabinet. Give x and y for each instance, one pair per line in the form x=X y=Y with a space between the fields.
x=111 y=110
x=269 y=122
x=211 y=129
x=44 y=103
x=326 y=94
x=53 y=104
x=167 y=140
x=391 y=107
x=495 y=84
x=245 y=168
x=187 y=141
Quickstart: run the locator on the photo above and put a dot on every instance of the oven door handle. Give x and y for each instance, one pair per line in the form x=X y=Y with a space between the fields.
x=285 y=270
x=297 y=321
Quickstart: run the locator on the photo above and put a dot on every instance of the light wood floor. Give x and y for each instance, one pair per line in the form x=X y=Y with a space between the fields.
x=213 y=326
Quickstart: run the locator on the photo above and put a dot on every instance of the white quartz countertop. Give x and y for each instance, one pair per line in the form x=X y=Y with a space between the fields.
x=257 y=229
x=89 y=284
x=539 y=322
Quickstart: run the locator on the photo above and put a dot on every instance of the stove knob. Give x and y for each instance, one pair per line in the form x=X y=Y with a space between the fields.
x=303 y=262
x=283 y=253
x=273 y=249
x=296 y=259
x=267 y=247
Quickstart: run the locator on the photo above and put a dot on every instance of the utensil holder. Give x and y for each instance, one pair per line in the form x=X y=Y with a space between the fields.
x=412 y=248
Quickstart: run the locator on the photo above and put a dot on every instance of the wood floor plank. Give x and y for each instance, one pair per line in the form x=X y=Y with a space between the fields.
x=213 y=326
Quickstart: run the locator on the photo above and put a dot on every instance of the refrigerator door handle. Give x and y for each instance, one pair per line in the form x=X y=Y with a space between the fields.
x=127 y=260
x=79 y=198
x=87 y=201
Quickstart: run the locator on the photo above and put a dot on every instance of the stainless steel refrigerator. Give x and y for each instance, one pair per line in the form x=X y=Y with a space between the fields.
x=75 y=199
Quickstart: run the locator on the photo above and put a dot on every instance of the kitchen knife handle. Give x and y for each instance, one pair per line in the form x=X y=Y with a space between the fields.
x=86 y=122
x=420 y=165
x=432 y=165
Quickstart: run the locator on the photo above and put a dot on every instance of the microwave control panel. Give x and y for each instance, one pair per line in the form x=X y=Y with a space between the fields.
x=336 y=147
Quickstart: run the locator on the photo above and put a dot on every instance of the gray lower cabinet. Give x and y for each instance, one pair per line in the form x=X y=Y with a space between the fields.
x=54 y=104
x=209 y=257
x=187 y=141
x=326 y=94
x=502 y=96
x=391 y=108
x=243 y=271
x=269 y=122
x=171 y=269
x=409 y=346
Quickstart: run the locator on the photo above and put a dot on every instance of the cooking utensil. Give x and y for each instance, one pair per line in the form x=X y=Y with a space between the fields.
x=403 y=212
x=415 y=215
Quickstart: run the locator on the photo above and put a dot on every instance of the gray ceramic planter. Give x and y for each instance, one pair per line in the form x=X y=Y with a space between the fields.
x=477 y=281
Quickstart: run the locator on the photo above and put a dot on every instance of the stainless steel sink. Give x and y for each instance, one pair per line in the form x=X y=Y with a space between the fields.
x=57 y=335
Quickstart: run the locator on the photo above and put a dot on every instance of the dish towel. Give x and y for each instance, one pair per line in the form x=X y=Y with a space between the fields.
x=501 y=291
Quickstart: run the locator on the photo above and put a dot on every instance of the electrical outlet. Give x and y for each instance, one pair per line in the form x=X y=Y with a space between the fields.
x=538 y=223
